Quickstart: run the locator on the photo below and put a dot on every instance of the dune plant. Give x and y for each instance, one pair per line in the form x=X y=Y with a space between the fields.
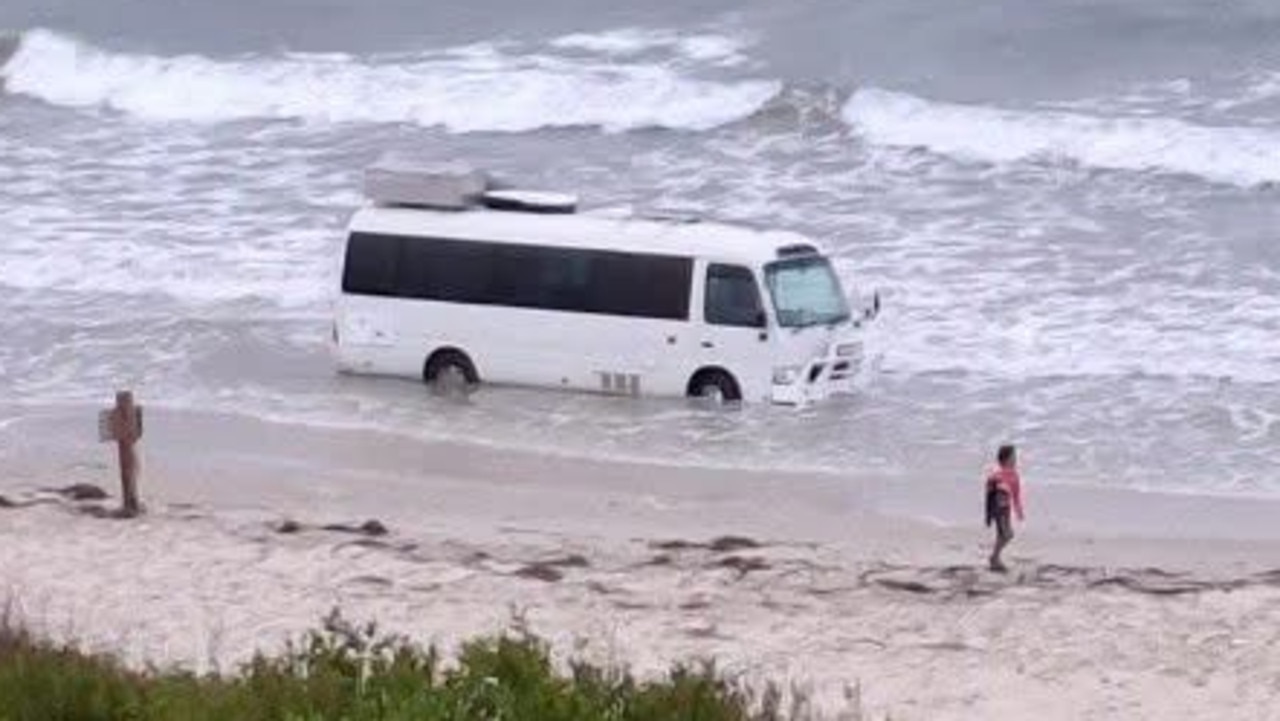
x=348 y=672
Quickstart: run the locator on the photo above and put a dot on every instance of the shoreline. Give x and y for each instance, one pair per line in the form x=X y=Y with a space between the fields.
x=231 y=462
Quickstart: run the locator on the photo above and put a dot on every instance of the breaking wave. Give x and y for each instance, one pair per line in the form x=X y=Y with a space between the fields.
x=634 y=42
x=9 y=43
x=617 y=80
x=1242 y=156
x=476 y=88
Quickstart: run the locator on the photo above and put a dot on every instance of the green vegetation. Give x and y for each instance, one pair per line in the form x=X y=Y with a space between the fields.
x=354 y=673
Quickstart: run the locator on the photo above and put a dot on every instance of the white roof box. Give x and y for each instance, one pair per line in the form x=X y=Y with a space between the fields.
x=530 y=201
x=404 y=181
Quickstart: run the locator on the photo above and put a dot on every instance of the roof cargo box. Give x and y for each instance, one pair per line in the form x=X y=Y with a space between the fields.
x=403 y=181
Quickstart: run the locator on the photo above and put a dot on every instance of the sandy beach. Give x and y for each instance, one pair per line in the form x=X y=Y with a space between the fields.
x=1067 y=211
x=868 y=593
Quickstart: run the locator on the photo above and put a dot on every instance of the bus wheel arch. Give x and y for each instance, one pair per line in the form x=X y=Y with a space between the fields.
x=450 y=364
x=713 y=382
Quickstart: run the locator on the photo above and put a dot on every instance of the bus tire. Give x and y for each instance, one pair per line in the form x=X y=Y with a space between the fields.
x=715 y=385
x=449 y=369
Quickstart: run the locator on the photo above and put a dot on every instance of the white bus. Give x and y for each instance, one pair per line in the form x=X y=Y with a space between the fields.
x=511 y=288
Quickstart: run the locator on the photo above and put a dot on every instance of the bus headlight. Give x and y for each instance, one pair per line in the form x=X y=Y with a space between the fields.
x=786 y=375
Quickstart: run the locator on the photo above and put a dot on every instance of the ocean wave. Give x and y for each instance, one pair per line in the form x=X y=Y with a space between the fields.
x=1260 y=88
x=812 y=107
x=9 y=43
x=625 y=42
x=472 y=89
x=1235 y=155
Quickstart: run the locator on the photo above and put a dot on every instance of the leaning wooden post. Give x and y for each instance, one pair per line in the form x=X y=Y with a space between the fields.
x=123 y=424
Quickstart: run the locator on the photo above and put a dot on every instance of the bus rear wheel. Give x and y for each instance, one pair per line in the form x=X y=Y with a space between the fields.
x=714 y=386
x=450 y=371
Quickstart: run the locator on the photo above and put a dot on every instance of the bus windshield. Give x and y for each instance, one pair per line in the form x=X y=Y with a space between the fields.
x=806 y=292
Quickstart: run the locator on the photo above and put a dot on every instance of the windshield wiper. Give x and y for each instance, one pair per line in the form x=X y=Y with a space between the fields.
x=826 y=320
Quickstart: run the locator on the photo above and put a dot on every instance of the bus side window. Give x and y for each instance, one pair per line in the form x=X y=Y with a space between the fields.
x=370 y=265
x=732 y=297
x=563 y=280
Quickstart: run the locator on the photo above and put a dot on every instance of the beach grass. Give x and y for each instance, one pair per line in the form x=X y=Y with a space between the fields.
x=346 y=672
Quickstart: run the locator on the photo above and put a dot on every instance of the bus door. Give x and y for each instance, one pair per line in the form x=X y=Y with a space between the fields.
x=735 y=333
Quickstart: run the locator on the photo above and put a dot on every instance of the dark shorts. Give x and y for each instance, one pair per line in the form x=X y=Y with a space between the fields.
x=1000 y=513
x=1004 y=524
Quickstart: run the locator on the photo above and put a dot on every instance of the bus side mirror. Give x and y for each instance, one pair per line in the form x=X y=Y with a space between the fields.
x=874 y=310
x=760 y=320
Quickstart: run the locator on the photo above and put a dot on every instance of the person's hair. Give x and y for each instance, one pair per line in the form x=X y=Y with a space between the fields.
x=1005 y=454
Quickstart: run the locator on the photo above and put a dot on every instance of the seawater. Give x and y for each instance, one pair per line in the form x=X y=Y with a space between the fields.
x=1068 y=208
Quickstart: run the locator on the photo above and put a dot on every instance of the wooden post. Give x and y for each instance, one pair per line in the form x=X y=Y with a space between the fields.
x=123 y=424
x=128 y=429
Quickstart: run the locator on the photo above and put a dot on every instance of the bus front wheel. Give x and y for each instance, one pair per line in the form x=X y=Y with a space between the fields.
x=715 y=386
x=450 y=370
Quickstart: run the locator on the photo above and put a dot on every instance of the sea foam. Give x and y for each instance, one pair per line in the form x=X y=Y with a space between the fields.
x=1236 y=155
x=472 y=89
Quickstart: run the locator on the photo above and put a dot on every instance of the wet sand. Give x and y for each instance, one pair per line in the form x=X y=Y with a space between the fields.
x=1119 y=605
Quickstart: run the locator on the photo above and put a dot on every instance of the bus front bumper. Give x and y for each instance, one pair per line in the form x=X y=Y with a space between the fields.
x=818 y=379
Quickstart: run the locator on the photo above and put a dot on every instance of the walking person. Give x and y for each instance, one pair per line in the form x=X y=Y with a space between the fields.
x=1004 y=501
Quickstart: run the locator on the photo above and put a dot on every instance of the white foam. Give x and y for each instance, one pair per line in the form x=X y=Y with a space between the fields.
x=624 y=41
x=1234 y=155
x=706 y=47
x=1263 y=87
x=481 y=89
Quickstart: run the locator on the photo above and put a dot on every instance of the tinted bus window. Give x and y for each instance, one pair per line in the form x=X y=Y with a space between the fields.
x=732 y=297
x=524 y=276
x=640 y=285
x=448 y=270
x=370 y=265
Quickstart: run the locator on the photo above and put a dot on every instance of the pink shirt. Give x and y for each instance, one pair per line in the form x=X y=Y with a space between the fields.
x=1008 y=480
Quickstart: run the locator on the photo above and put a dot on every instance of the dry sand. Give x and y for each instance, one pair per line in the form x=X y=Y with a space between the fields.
x=829 y=583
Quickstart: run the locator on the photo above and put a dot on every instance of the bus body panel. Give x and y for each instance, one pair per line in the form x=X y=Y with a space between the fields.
x=522 y=346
